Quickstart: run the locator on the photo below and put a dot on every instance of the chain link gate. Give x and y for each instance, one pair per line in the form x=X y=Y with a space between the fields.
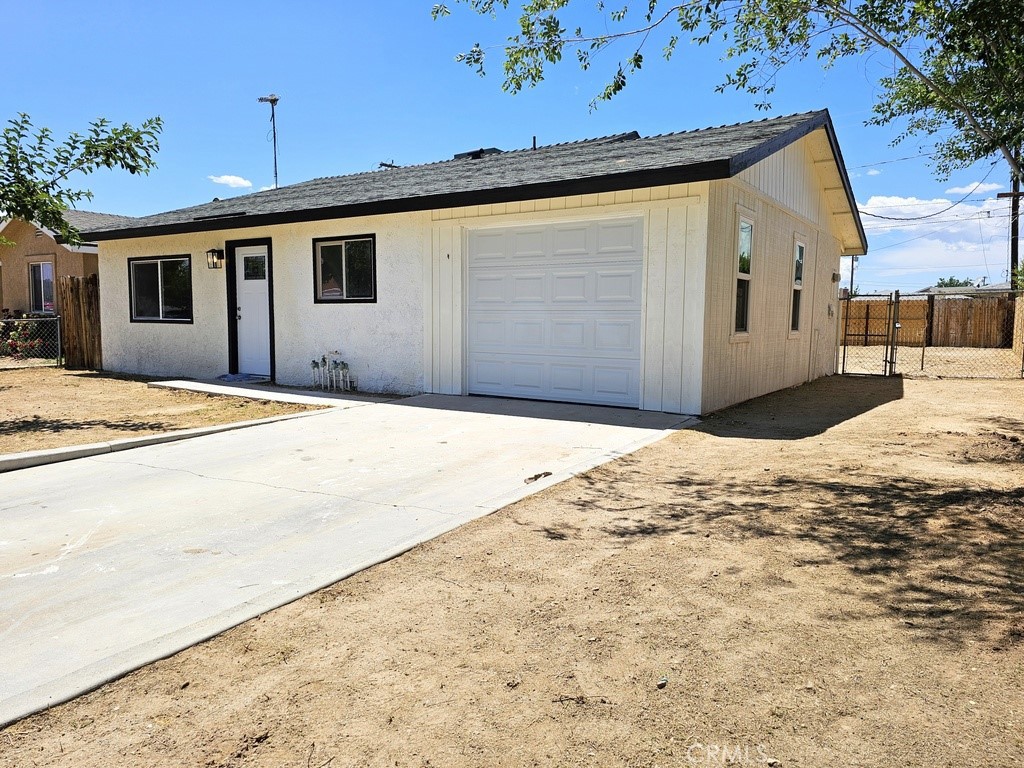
x=966 y=333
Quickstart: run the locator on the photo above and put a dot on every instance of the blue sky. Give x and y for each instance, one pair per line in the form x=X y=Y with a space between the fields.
x=364 y=83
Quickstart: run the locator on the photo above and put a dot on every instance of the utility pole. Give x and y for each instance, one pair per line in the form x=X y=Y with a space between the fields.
x=1014 y=196
x=272 y=100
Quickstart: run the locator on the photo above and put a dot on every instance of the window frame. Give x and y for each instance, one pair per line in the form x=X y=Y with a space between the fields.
x=318 y=243
x=158 y=260
x=796 y=294
x=41 y=310
x=743 y=216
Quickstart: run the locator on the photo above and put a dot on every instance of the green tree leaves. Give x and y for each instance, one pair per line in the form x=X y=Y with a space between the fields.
x=957 y=64
x=35 y=171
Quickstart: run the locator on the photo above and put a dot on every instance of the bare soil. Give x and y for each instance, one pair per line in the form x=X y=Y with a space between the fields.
x=826 y=576
x=50 y=408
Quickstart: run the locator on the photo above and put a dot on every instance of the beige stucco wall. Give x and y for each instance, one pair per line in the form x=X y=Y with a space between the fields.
x=786 y=201
x=382 y=341
x=30 y=249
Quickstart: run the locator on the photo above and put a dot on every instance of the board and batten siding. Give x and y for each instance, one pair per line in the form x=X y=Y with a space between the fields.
x=786 y=201
x=675 y=234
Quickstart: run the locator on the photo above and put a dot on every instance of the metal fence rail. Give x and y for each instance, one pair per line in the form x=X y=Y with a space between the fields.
x=30 y=342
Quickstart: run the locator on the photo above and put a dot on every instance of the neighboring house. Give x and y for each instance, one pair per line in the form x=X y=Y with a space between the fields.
x=679 y=273
x=29 y=268
x=968 y=289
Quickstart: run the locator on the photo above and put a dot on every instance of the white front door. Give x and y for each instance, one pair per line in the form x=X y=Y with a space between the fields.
x=554 y=311
x=253 y=310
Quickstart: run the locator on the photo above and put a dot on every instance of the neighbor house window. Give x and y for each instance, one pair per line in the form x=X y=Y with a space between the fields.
x=798 y=285
x=160 y=289
x=40 y=287
x=744 y=252
x=345 y=269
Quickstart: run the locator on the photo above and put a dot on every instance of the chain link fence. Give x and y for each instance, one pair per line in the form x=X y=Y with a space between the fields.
x=961 y=334
x=29 y=342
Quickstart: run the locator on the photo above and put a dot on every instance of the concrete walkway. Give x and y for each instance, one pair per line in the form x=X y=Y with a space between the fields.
x=113 y=561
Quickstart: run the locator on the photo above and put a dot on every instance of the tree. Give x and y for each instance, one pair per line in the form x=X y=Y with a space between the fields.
x=954 y=282
x=36 y=173
x=957 y=64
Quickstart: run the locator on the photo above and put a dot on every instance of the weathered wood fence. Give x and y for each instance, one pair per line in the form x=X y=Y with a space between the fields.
x=80 y=311
x=937 y=321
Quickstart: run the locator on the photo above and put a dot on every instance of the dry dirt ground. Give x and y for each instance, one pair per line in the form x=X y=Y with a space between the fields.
x=50 y=407
x=827 y=576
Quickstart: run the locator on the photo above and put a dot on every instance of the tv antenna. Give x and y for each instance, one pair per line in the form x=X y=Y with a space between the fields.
x=272 y=100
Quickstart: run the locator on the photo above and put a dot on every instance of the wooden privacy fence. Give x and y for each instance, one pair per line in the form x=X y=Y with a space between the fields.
x=937 y=321
x=80 y=309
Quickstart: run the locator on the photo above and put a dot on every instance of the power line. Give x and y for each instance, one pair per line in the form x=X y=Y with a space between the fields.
x=886 y=162
x=936 y=213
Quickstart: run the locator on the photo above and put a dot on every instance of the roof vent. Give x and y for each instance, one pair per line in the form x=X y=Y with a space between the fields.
x=476 y=154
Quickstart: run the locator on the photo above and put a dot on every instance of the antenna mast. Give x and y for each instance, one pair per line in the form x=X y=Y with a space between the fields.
x=272 y=100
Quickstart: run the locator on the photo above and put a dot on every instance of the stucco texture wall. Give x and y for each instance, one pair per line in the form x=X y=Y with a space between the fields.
x=30 y=249
x=381 y=341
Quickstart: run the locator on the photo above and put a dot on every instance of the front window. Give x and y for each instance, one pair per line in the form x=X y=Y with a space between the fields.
x=798 y=286
x=40 y=286
x=161 y=289
x=744 y=252
x=344 y=269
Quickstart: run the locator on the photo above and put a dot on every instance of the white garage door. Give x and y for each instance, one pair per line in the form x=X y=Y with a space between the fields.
x=554 y=311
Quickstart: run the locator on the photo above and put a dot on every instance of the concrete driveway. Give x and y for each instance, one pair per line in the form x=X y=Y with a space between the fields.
x=110 y=562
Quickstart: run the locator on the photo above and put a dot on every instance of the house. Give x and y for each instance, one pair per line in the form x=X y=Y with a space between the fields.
x=681 y=273
x=29 y=268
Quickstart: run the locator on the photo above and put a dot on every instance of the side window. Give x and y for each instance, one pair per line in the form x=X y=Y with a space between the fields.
x=744 y=255
x=160 y=289
x=799 y=250
x=345 y=269
x=40 y=286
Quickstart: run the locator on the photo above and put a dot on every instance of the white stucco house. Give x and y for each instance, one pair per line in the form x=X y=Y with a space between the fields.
x=679 y=273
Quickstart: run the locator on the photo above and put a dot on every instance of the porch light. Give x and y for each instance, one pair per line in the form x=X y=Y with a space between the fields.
x=215 y=258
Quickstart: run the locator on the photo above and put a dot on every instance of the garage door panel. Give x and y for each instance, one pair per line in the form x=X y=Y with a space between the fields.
x=529 y=244
x=527 y=333
x=528 y=288
x=569 y=241
x=598 y=335
x=570 y=287
x=621 y=285
x=618 y=237
x=488 y=247
x=559 y=316
x=555 y=379
x=488 y=288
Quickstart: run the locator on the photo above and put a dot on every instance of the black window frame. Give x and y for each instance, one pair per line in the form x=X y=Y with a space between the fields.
x=318 y=243
x=187 y=258
x=743 y=277
x=796 y=295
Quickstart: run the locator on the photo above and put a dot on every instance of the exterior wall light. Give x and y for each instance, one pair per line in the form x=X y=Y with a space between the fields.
x=215 y=258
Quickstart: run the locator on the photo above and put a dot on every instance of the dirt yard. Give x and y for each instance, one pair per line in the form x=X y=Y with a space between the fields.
x=827 y=576
x=50 y=407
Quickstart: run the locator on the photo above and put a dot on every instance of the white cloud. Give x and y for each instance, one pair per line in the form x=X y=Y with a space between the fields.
x=235 y=182
x=873 y=172
x=974 y=189
x=967 y=240
x=264 y=189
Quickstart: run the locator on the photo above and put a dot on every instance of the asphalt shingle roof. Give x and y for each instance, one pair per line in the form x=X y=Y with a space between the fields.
x=610 y=163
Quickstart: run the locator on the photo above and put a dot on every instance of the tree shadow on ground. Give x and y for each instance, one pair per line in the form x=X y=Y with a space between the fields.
x=55 y=426
x=799 y=412
x=948 y=562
